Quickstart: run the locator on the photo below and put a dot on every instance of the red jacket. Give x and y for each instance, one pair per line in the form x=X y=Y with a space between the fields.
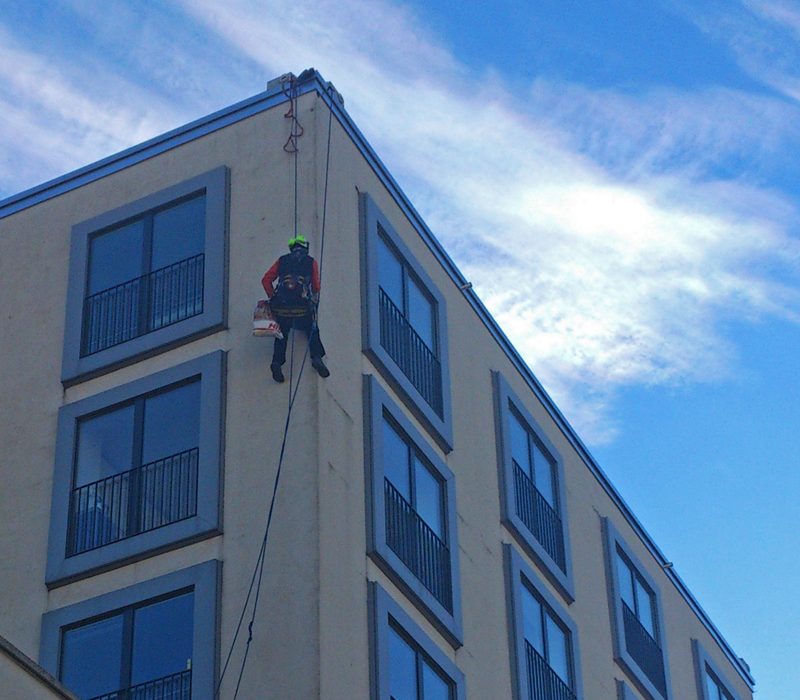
x=268 y=280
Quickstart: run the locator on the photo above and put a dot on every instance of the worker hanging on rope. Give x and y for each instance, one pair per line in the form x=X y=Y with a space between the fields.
x=292 y=285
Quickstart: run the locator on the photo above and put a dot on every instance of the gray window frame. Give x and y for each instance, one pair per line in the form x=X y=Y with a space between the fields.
x=613 y=540
x=703 y=659
x=203 y=579
x=373 y=222
x=624 y=691
x=377 y=402
x=75 y=368
x=382 y=607
x=517 y=570
x=504 y=395
x=208 y=521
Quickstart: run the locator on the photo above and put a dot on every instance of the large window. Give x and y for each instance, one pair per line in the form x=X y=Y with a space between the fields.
x=137 y=468
x=544 y=638
x=146 y=275
x=534 y=498
x=407 y=665
x=638 y=635
x=412 y=530
x=405 y=326
x=154 y=640
x=141 y=651
x=713 y=683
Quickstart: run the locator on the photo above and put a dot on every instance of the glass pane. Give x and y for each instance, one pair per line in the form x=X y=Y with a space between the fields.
x=402 y=668
x=434 y=686
x=91 y=658
x=171 y=422
x=429 y=498
x=179 y=232
x=420 y=314
x=519 y=443
x=558 y=650
x=645 y=599
x=543 y=474
x=395 y=461
x=532 y=621
x=162 y=639
x=390 y=274
x=116 y=257
x=712 y=689
x=105 y=445
x=625 y=583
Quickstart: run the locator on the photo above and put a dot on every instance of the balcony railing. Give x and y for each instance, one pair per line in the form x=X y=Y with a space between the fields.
x=539 y=517
x=416 y=360
x=142 y=305
x=644 y=650
x=135 y=501
x=418 y=546
x=178 y=686
x=543 y=682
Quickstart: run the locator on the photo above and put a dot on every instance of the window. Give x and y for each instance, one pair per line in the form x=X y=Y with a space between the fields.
x=405 y=325
x=534 y=498
x=145 y=276
x=544 y=639
x=151 y=640
x=137 y=468
x=412 y=530
x=407 y=665
x=638 y=637
x=712 y=682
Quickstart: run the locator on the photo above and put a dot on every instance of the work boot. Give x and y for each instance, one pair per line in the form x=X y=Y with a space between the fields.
x=277 y=373
x=319 y=365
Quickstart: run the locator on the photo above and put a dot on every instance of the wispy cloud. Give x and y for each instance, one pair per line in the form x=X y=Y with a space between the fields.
x=596 y=226
x=609 y=234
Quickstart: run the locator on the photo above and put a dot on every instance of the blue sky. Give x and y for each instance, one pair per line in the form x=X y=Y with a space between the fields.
x=632 y=167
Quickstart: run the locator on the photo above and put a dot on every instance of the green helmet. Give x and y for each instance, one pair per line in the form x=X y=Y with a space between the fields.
x=298 y=241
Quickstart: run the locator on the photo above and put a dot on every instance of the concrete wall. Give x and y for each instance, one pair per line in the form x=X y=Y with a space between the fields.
x=22 y=679
x=311 y=633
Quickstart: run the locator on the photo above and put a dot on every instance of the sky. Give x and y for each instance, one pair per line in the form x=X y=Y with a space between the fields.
x=620 y=179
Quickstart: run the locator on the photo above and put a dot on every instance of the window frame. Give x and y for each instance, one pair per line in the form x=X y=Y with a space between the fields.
x=75 y=368
x=613 y=541
x=61 y=568
x=517 y=570
x=202 y=578
x=382 y=607
x=504 y=395
x=377 y=402
x=702 y=660
x=372 y=219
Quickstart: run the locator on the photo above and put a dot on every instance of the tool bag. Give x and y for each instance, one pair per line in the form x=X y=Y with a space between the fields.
x=264 y=323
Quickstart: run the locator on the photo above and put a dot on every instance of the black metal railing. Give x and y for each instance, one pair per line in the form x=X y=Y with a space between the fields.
x=178 y=686
x=416 y=360
x=644 y=650
x=147 y=303
x=543 y=682
x=135 y=501
x=418 y=546
x=539 y=517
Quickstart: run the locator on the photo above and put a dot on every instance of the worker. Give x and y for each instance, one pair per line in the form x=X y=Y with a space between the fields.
x=292 y=285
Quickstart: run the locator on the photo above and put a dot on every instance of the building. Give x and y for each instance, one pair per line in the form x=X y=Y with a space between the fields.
x=440 y=531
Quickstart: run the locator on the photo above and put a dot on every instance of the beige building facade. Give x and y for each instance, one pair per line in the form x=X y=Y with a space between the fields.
x=439 y=531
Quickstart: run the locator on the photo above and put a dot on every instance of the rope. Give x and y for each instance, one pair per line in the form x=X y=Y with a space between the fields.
x=258 y=570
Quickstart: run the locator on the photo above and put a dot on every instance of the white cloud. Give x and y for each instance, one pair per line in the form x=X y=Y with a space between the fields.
x=604 y=231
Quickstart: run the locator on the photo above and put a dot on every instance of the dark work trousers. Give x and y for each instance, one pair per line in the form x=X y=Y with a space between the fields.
x=300 y=323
